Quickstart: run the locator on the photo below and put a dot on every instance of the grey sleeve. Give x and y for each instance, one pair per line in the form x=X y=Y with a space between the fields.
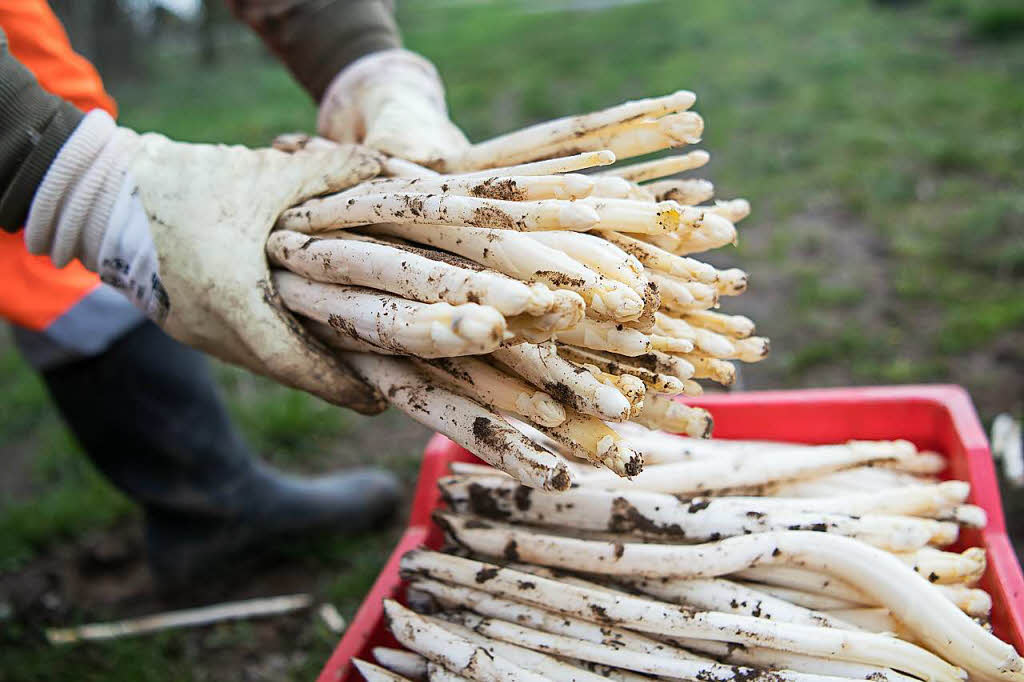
x=33 y=127
x=317 y=38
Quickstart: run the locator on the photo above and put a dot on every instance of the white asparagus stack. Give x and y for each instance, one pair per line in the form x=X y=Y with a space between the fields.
x=575 y=289
x=623 y=581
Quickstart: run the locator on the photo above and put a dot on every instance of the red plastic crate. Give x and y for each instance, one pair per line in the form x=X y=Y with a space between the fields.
x=939 y=418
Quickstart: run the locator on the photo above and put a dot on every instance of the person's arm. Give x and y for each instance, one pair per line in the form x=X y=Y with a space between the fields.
x=316 y=39
x=34 y=125
x=347 y=54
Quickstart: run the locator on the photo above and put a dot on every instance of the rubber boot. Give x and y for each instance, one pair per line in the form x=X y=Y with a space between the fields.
x=147 y=413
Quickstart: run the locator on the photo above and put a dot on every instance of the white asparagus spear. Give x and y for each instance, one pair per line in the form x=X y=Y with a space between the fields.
x=652 y=302
x=660 y=168
x=627 y=384
x=400 y=661
x=398 y=324
x=519 y=256
x=335 y=338
x=608 y=672
x=681 y=296
x=343 y=210
x=968 y=515
x=663 y=665
x=719 y=371
x=616 y=338
x=717 y=594
x=494 y=388
x=632 y=139
x=702 y=476
x=659 y=618
x=409 y=272
x=753 y=349
x=451 y=651
x=705 y=342
x=521 y=144
x=293 y=142
x=675 y=417
x=469 y=424
x=562 y=164
x=507 y=187
x=400 y=168
x=923 y=463
x=922 y=501
x=733 y=210
x=375 y=673
x=589 y=438
x=542 y=664
x=567 y=310
x=599 y=255
x=704 y=593
x=947 y=567
x=627 y=215
x=808 y=600
x=438 y=673
x=661 y=260
x=633 y=513
x=655 y=361
x=807 y=580
x=732 y=282
x=656 y=446
x=541 y=366
x=692 y=389
x=689 y=192
x=773 y=658
x=873 y=620
x=611 y=187
x=854 y=480
x=659 y=383
x=973 y=602
x=736 y=326
x=559 y=623
x=715 y=231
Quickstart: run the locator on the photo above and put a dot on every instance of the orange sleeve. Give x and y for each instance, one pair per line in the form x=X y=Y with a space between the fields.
x=34 y=293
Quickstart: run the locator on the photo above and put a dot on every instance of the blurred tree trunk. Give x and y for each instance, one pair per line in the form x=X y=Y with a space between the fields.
x=116 y=40
x=208 y=53
x=77 y=19
x=214 y=16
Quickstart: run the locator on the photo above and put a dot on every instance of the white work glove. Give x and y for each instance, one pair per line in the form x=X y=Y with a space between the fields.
x=181 y=229
x=393 y=101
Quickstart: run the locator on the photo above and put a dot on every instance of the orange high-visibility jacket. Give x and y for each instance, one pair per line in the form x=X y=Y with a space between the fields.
x=69 y=304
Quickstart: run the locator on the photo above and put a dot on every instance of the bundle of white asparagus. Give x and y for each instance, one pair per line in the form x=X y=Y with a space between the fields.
x=576 y=292
x=831 y=564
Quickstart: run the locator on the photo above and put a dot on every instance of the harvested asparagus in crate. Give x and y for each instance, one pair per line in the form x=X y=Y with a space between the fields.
x=575 y=291
x=611 y=580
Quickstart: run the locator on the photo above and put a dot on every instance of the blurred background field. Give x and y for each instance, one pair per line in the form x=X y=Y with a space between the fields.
x=880 y=145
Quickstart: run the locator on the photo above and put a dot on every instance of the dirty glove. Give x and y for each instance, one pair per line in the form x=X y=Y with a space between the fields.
x=181 y=229
x=393 y=101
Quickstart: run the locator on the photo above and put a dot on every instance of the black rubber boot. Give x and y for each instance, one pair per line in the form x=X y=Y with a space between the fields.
x=147 y=413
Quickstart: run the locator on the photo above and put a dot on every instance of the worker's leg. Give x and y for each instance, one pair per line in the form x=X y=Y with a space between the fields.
x=147 y=413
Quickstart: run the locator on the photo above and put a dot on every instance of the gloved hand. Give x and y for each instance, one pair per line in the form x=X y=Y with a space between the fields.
x=181 y=230
x=393 y=101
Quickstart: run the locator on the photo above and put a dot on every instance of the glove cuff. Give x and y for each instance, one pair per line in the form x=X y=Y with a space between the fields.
x=339 y=118
x=72 y=208
x=75 y=157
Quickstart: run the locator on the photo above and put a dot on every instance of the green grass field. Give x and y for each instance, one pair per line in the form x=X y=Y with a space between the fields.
x=881 y=150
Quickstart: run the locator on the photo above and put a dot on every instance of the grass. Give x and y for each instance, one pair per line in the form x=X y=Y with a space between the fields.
x=880 y=148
